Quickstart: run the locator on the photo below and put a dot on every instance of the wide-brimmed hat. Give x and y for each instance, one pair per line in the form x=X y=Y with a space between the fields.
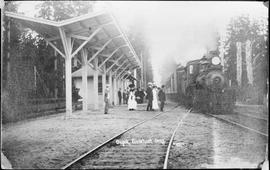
x=149 y=83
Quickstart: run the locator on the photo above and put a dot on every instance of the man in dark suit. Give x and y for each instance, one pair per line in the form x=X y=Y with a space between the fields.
x=162 y=97
x=119 y=96
x=149 y=97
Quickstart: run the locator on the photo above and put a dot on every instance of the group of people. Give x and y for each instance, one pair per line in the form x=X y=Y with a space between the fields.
x=154 y=94
x=132 y=97
x=124 y=96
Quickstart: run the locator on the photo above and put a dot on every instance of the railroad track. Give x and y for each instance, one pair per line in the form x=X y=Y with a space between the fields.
x=250 y=123
x=203 y=137
x=122 y=152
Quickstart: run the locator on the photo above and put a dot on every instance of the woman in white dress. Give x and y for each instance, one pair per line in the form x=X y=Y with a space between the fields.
x=155 y=98
x=132 y=104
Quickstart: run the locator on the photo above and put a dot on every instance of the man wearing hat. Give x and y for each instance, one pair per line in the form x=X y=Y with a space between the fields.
x=149 y=96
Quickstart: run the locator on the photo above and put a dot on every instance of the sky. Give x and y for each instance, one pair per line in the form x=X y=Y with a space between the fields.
x=178 y=31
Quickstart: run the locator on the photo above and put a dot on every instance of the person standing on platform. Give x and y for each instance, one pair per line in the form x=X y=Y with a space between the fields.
x=124 y=96
x=141 y=93
x=155 y=98
x=149 y=97
x=162 y=97
x=132 y=104
x=75 y=97
x=119 y=96
x=106 y=100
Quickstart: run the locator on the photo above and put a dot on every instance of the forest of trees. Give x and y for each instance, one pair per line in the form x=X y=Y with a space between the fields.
x=242 y=29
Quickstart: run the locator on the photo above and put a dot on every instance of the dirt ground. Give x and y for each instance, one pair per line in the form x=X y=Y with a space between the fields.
x=52 y=142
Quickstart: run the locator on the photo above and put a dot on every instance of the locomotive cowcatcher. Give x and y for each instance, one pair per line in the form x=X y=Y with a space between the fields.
x=203 y=86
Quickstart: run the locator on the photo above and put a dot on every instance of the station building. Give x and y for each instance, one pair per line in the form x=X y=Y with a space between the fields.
x=96 y=45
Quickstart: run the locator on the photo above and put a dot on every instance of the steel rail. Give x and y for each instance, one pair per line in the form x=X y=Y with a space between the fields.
x=171 y=140
x=111 y=139
x=237 y=124
x=255 y=117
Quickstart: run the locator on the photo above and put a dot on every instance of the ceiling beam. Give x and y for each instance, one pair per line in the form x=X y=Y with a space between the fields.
x=55 y=48
x=102 y=48
x=115 y=63
x=110 y=55
x=124 y=69
x=114 y=73
x=86 y=41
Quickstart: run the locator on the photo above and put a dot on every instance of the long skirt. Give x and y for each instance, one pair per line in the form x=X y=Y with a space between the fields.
x=132 y=104
x=155 y=105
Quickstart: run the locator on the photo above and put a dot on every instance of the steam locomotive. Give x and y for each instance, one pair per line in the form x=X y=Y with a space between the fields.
x=202 y=85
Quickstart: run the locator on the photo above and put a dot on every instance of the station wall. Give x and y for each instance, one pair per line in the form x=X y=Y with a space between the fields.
x=90 y=92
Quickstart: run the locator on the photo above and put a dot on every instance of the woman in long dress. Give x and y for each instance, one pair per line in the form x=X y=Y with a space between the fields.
x=155 y=99
x=132 y=104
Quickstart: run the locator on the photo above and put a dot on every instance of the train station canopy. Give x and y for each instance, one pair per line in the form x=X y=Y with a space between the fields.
x=95 y=40
x=98 y=32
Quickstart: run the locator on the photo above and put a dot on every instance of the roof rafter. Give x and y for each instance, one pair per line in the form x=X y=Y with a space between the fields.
x=111 y=55
x=114 y=63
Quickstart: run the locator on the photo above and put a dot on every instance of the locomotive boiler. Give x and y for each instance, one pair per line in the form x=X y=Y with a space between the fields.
x=202 y=85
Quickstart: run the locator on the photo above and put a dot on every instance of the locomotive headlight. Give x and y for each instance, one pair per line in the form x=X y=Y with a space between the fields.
x=215 y=60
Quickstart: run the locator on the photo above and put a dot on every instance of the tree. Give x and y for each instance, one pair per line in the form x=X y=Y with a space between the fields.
x=241 y=29
x=141 y=46
x=61 y=10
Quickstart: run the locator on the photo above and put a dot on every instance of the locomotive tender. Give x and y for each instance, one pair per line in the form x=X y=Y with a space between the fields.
x=202 y=85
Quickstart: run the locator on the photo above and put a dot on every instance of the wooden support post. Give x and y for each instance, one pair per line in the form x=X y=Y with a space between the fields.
x=124 y=87
x=135 y=75
x=114 y=90
x=84 y=80
x=104 y=83
x=66 y=40
x=68 y=79
x=95 y=81
x=122 y=84
x=68 y=86
x=111 y=87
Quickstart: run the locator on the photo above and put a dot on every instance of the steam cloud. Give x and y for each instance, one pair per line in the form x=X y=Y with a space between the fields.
x=178 y=32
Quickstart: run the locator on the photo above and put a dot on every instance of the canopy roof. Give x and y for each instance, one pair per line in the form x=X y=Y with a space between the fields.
x=90 y=72
x=101 y=28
